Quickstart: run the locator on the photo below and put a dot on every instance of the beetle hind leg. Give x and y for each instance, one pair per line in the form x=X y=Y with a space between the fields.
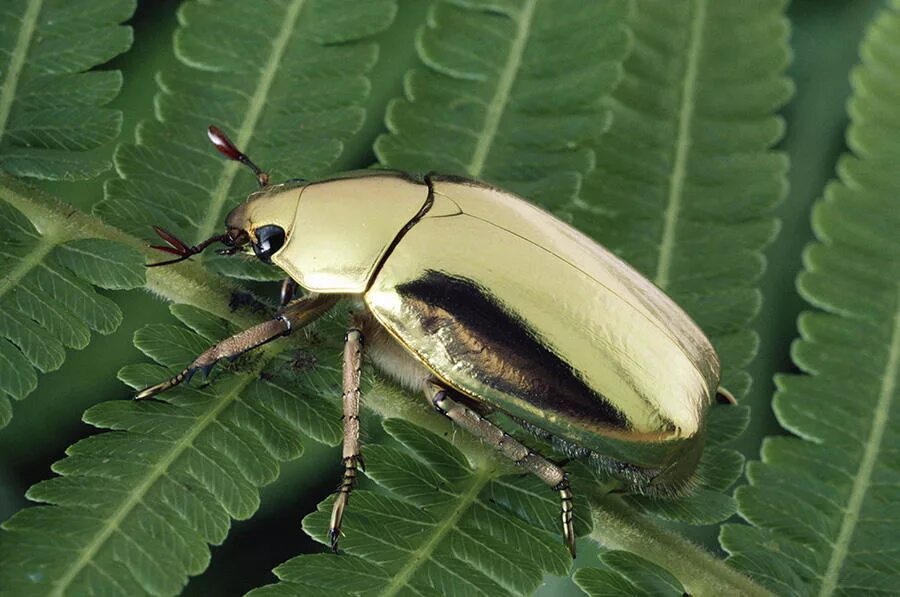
x=549 y=473
x=353 y=353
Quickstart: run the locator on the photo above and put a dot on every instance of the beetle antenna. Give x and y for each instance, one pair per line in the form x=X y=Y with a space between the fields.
x=228 y=149
x=177 y=247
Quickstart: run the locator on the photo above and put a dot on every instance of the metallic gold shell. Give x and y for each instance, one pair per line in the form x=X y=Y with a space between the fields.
x=649 y=370
x=371 y=206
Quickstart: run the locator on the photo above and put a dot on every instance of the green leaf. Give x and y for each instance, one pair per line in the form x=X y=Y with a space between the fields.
x=134 y=509
x=96 y=261
x=685 y=181
x=46 y=299
x=624 y=573
x=446 y=527
x=51 y=111
x=513 y=132
x=483 y=69
x=509 y=93
x=289 y=91
x=824 y=503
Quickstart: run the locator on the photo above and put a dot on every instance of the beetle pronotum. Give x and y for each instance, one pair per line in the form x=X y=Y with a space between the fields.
x=599 y=360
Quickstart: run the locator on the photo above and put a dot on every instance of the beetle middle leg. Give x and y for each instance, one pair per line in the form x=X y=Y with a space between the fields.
x=353 y=354
x=549 y=473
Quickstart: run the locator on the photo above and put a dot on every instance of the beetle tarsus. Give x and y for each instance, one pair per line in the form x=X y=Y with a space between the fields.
x=333 y=536
x=566 y=513
x=337 y=516
x=189 y=373
x=163 y=386
x=352 y=368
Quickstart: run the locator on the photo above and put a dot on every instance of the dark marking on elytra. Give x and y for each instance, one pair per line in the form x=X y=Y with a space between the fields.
x=502 y=347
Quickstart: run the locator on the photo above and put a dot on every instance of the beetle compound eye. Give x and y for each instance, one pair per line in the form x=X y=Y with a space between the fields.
x=268 y=240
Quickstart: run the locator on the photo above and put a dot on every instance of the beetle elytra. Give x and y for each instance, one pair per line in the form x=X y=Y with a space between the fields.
x=481 y=302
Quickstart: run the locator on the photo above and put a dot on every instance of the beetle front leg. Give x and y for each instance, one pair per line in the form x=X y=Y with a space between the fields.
x=293 y=316
x=353 y=354
x=513 y=449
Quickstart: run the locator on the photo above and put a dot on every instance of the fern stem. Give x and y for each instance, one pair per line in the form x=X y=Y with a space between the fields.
x=17 y=61
x=616 y=526
x=186 y=283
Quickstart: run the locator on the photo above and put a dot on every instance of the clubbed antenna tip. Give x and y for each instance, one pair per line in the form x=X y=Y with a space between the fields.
x=230 y=151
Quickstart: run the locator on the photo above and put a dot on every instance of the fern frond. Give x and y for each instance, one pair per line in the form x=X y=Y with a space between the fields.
x=200 y=462
x=509 y=94
x=289 y=91
x=824 y=504
x=625 y=573
x=51 y=114
x=134 y=509
x=685 y=181
x=446 y=528
x=51 y=109
x=47 y=299
x=470 y=113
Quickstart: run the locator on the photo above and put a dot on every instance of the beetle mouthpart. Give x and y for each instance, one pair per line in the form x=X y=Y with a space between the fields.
x=177 y=247
x=230 y=151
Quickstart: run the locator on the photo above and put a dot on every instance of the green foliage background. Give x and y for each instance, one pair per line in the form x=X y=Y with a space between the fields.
x=394 y=83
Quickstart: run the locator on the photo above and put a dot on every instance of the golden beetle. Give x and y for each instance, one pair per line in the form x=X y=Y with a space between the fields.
x=448 y=277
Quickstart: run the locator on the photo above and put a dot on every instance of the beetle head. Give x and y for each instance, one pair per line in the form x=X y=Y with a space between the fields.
x=265 y=219
x=260 y=222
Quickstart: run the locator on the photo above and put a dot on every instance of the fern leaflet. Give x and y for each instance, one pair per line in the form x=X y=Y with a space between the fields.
x=823 y=504
x=292 y=94
x=51 y=110
x=166 y=496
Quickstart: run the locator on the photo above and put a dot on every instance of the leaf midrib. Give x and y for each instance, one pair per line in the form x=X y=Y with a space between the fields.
x=682 y=148
x=17 y=61
x=447 y=523
x=27 y=263
x=500 y=99
x=214 y=216
x=155 y=473
x=863 y=478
